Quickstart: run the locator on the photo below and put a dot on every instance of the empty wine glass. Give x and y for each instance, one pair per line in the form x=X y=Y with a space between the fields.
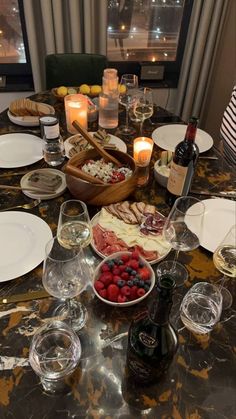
x=54 y=354
x=183 y=230
x=224 y=259
x=74 y=227
x=143 y=105
x=201 y=307
x=64 y=277
x=128 y=87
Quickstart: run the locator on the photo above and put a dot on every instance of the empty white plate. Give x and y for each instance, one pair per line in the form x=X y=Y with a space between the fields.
x=19 y=149
x=23 y=237
x=168 y=136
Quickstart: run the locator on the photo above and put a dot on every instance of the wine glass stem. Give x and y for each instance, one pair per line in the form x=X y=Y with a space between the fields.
x=141 y=128
x=127 y=117
x=70 y=311
x=176 y=255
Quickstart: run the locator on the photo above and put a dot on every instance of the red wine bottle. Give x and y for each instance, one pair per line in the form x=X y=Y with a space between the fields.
x=183 y=164
x=152 y=341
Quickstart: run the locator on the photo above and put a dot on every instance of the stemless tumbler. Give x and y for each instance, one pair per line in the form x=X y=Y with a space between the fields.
x=201 y=307
x=54 y=353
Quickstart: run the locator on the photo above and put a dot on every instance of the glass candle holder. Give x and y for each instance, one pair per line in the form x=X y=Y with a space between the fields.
x=76 y=108
x=142 y=155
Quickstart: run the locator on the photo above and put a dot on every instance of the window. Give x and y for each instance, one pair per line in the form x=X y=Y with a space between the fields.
x=147 y=37
x=15 y=67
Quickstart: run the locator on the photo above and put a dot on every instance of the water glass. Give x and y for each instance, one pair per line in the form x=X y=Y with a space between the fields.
x=54 y=354
x=201 y=307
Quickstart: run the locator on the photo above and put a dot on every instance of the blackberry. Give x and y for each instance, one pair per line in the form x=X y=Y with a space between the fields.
x=141 y=283
x=130 y=283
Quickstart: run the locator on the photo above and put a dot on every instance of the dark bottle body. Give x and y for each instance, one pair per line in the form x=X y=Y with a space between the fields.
x=152 y=340
x=183 y=164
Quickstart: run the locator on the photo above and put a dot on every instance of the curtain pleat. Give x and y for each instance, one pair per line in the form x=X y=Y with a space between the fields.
x=48 y=25
x=198 y=57
x=75 y=25
x=58 y=20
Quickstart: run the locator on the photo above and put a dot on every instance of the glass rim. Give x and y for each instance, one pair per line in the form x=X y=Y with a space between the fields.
x=83 y=205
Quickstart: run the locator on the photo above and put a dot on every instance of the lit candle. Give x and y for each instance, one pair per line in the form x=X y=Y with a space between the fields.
x=143 y=150
x=76 y=108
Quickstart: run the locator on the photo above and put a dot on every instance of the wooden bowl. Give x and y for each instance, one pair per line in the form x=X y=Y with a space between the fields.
x=101 y=194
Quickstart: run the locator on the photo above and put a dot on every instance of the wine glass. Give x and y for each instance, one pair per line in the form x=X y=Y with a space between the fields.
x=128 y=87
x=74 y=226
x=64 y=277
x=182 y=230
x=143 y=106
x=224 y=259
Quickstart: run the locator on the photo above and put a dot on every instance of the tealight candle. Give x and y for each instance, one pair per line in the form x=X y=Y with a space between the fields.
x=76 y=108
x=142 y=155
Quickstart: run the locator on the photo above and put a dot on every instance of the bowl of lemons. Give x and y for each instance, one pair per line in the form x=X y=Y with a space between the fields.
x=62 y=91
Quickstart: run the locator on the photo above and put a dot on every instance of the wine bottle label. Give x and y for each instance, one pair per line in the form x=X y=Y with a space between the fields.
x=147 y=340
x=176 y=179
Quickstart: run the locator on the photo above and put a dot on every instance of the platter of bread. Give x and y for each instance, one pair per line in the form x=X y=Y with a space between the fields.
x=26 y=112
x=126 y=226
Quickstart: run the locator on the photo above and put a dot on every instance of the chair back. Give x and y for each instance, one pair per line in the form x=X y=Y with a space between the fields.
x=74 y=69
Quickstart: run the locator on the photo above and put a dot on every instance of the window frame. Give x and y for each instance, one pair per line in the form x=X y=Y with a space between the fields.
x=18 y=75
x=171 y=68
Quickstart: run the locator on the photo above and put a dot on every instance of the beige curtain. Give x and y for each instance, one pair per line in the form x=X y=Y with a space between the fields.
x=204 y=34
x=57 y=26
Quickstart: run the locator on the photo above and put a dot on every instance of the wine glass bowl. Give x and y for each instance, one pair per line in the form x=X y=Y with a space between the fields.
x=183 y=231
x=64 y=277
x=128 y=87
x=74 y=227
x=143 y=105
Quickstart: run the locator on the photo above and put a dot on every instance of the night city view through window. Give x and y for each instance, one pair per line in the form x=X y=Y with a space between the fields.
x=143 y=30
x=11 y=38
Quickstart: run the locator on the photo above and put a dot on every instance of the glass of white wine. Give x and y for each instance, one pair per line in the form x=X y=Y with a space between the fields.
x=224 y=259
x=143 y=106
x=65 y=277
x=128 y=88
x=74 y=226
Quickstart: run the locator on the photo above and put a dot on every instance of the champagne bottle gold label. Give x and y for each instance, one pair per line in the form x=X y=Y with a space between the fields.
x=176 y=179
x=147 y=340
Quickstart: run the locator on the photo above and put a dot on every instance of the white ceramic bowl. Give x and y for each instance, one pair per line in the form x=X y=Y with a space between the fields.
x=127 y=303
x=161 y=178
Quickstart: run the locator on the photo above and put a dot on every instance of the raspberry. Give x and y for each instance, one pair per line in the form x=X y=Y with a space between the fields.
x=116 y=271
x=103 y=293
x=134 y=264
x=105 y=267
x=116 y=278
x=98 y=285
x=122 y=299
x=140 y=292
x=135 y=255
x=125 y=258
x=125 y=291
x=122 y=268
x=125 y=276
x=144 y=273
x=106 y=278
x=133 y=292
x=112 y=292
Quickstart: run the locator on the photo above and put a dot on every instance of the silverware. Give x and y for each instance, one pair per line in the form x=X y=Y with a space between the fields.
x=23 y=172
x=28 y=188
x=223 y=194
x=29 y=296
x=30 y=205
x=209 y=157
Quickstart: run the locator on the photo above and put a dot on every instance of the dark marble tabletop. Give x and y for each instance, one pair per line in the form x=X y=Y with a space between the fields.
x=201 y=381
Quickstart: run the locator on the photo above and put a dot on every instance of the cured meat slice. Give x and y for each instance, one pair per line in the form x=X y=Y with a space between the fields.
x=149 y=209
x=112 y=209
x=126 y=214
x=141 y=206
x=136 y=212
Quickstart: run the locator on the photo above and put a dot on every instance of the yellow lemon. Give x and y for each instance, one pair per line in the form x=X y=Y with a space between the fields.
x=84 y=89
x=121 y=88
x=95 y=90
x=62 y=91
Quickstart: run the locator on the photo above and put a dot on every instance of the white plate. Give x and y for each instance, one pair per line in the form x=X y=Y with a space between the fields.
x=220 y=215
x=30 y=121
x=113 y=140
x=128 y=303
x=24 y=183
x=23 y=237
x=18 y=150
x=168 y=136
x=94 y=221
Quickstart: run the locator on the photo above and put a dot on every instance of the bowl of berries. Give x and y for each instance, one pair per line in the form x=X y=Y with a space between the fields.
x=123 y=279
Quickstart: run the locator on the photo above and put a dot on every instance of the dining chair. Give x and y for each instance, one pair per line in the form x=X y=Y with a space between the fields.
x=74 y=69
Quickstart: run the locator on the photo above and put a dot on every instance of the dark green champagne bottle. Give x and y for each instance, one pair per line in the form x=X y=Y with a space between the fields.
x=183 y=165
x=152 y=341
